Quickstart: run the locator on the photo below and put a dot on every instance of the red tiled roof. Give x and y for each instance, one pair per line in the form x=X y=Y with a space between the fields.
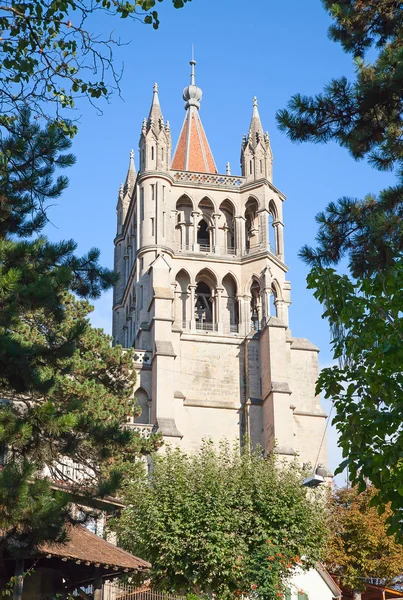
x=87 y=547
x=193 y=151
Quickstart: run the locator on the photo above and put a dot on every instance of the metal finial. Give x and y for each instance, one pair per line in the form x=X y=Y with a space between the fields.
x=192 y=72
x=228 y=169
x=131 y=154
x=155 y=88
x=254 y=101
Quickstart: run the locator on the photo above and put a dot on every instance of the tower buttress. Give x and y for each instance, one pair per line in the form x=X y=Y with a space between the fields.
x=155 y=139
x=256 y=153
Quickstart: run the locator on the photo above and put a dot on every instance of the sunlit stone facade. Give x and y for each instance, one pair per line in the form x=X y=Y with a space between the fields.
x=203 y=295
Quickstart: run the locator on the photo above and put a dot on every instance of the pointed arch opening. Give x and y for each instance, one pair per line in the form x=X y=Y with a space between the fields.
x=143 y=401
x=182 y=299
x=205 y=300
x=272 y=227
x=228 y=212
x=251 y=224
x=203 y=235
x=230 y=315
x=255 y=305
x=184 y=208
x=275 y=298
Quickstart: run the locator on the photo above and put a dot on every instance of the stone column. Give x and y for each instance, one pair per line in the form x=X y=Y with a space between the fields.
x=192 y=289
x=241 y=317
x=216 y=216
x=266 y=308
x=278 y=228
x=219 y=313
x=263 y=224
x=126 y=259
x=240 y=241
x=195 y=214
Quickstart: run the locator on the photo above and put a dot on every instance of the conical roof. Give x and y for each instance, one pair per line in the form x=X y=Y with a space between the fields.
x=155 y=115
x=255 y=128
x=131 y=173
x=193 y=151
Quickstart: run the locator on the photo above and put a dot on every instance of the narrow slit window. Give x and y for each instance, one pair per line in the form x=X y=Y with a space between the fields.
x=250 y=167
x=152 y=225
x=152 y=152
x=141 y=204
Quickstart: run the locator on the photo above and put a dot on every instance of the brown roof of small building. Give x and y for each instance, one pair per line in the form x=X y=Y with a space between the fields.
x=82 y=545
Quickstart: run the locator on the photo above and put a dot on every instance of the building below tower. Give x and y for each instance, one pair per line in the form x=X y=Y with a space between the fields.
x=203 y=297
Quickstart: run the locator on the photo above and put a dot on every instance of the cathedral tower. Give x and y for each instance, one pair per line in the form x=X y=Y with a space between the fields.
x=203 y=296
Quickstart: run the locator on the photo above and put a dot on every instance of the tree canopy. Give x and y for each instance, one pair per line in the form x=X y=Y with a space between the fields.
x=358 y=549
x=74 y=434
x=217 y=522
x=66 y=393
x=363 y=307
x=53 y=53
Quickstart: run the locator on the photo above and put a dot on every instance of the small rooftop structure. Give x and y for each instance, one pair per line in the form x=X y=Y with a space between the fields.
x=85 y=559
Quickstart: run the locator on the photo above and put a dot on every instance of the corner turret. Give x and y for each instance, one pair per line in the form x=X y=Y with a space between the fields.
x=155 y=139
x=256 y=153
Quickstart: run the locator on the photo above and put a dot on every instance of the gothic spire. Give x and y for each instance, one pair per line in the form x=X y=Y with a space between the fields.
x=155 y=115
x=193 y=151
x=131 y=173
x=256 y=133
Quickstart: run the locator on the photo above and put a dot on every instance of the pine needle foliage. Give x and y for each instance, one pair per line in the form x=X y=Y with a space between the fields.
x=219 y=523
x=364 y=307
x=66 y=392
x=366 y=117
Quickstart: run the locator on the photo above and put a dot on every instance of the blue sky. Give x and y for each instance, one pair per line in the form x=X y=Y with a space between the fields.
x=266 y=48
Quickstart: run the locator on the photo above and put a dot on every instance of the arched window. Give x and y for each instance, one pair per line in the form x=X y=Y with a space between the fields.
x=142 y=401
x=255 y=305
x=203 y=305
x=230 y=315
x=228 y=226
x=203 y=234
x=183 y=228
x=251 y=224
x=273 y=301
x=272 y=233
x=182 y=299
x=205 y=299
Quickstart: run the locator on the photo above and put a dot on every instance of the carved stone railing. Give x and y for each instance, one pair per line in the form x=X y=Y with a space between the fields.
x=142 y=357
x=227 y=181
x=144 y=429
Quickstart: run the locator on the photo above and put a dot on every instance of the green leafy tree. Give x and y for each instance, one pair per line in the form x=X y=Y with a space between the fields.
x=52 y=53
x=217 y=522
x=358 y=549
x=363 y=307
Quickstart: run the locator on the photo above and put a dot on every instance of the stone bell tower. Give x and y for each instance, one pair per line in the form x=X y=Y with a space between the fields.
x=203 y=296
